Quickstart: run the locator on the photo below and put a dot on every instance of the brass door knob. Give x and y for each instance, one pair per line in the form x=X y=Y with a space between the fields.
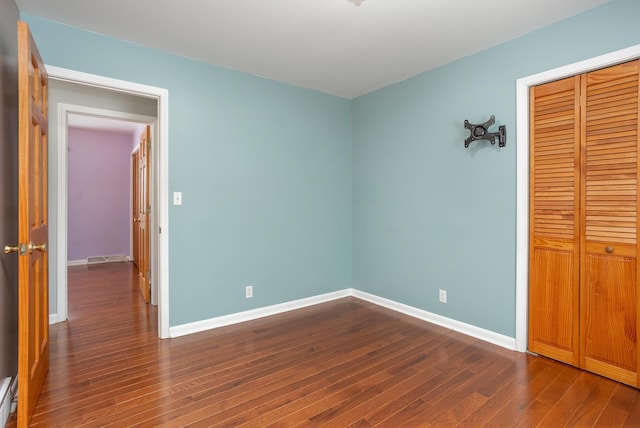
x=8 y=249
x=41 y=247
x=21 y=249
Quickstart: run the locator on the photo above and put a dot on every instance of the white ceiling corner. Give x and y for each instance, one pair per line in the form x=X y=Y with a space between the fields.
x=335 y=46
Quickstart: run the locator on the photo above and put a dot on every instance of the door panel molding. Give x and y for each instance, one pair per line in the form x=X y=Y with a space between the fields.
x=159 y=170
x=33 y=224
x=522 y=170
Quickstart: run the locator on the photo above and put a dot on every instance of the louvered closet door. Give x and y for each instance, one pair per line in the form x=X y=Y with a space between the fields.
x=609 y=268
x=554 y=221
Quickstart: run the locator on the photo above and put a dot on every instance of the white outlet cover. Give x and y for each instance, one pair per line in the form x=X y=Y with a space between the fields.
x=177 y=198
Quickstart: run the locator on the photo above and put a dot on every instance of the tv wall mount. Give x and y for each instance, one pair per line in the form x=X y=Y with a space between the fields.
x=481 y=132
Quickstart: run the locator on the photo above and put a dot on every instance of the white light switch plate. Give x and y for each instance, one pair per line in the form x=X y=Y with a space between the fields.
x=177 y=198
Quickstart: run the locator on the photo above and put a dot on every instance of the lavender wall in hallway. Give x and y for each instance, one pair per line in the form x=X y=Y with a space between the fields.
x=98 y=194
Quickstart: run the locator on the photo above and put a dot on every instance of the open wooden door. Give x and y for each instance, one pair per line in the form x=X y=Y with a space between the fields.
x=135 y=224
x=33 y=271
x=144 y=211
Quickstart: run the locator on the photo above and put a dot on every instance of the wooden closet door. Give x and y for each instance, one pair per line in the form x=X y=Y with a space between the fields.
x=609 y=268
x=554 y=220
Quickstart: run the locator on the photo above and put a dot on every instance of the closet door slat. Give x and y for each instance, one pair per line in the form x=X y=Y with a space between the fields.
x=554 y=220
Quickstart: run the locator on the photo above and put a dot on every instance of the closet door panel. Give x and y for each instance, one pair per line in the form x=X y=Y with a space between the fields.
x=554 y=220
x=608 y=292
x=552 y=324
x=610 y=317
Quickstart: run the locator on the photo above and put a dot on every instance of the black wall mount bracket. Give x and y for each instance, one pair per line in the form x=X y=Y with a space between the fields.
x=480 y=132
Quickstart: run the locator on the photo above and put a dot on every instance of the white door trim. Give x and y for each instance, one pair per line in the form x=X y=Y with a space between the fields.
x=522 y=166
x=160 y=165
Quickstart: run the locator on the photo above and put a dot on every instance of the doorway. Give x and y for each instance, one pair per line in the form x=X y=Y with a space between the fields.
x=101 y=195
x=159 y=180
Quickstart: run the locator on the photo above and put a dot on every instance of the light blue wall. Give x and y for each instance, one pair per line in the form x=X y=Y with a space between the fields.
x=429 y=214
x=275 y=176
x=264 y=167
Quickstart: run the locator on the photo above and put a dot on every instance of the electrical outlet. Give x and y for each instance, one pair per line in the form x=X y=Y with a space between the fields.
x=248 y=291
x=443 y=296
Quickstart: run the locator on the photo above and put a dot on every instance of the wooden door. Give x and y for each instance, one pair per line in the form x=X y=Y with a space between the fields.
x=583 y=273
x=609 y=268
x=135 y=227
x=144 y=272
x=33 y=296
x=554 y=221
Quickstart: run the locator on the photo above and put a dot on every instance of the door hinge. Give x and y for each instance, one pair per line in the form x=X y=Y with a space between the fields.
x=159 y=230
x=148 y=274
x=148 y=209
x=148 y=145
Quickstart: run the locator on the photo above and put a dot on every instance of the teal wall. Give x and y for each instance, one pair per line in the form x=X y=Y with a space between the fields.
x=264 y=167
x=300 y=193
x=430 y=214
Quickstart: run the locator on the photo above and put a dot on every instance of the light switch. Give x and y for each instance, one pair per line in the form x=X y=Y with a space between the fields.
x=177 y=198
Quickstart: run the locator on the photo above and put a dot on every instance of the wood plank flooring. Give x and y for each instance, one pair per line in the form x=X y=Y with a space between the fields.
x=347 y=363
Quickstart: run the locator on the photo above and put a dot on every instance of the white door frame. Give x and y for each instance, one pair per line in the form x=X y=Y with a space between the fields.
x=159 y=164
x=522 y=174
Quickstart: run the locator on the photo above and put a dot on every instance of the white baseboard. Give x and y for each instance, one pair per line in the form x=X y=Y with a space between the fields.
x=54 y=319
x=5 y=400
x=460 y=327
x=99 y=259
x=198 y=326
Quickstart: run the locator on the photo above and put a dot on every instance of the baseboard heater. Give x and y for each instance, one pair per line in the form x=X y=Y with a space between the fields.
x=8 y=388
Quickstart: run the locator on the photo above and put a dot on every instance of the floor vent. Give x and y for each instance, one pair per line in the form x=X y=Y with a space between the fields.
x=108 y=259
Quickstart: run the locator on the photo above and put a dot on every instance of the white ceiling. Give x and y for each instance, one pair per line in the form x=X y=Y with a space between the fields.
x=333 y=46
x=75 y=120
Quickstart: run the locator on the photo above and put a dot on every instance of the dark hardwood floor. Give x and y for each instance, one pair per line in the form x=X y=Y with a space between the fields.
x=346 y=363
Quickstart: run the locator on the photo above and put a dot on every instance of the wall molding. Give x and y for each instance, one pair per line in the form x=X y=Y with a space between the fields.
x=211 y=323
x=522 y=170
x=457 y=326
